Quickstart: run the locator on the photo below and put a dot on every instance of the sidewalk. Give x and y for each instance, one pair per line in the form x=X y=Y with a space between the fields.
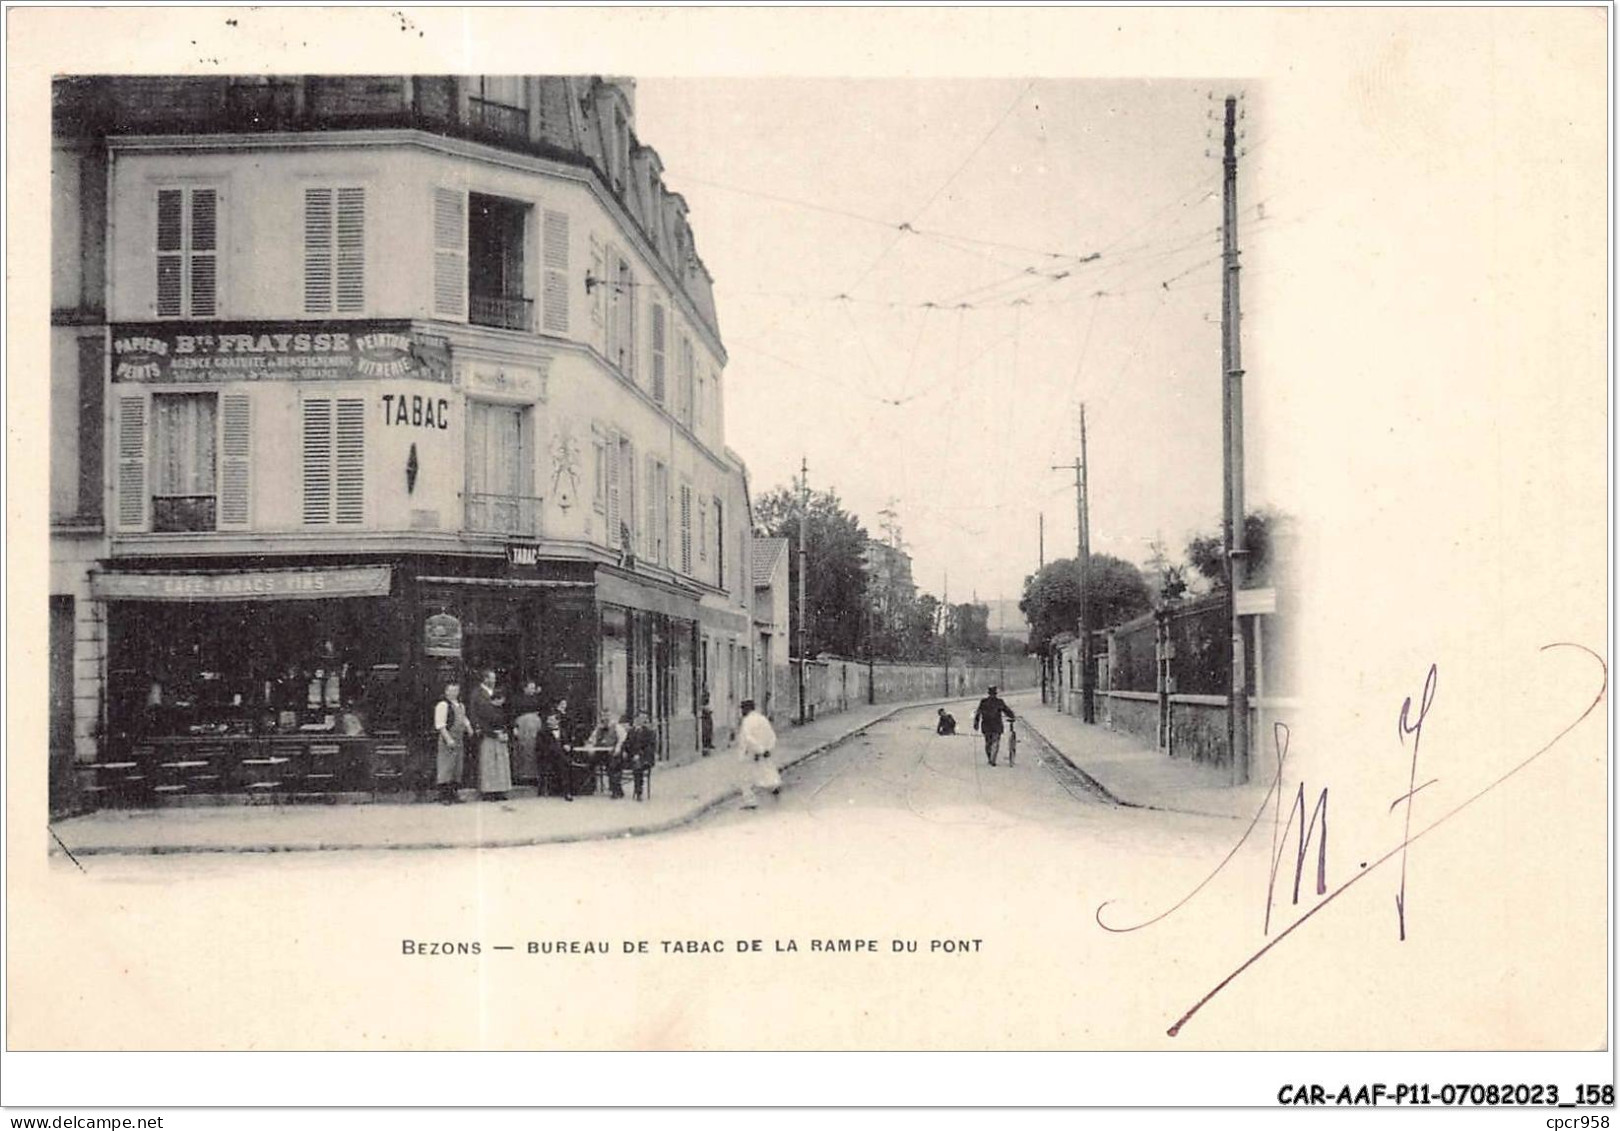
x=679 y=795
x=1136 y=774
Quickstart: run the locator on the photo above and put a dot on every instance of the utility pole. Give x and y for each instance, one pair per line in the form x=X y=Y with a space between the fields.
x=1088 y=675
x=946 y=634
x=1042 y=569
x=1043 y=541
x=1081 y=546
x=1237 y=704
x=804 y=515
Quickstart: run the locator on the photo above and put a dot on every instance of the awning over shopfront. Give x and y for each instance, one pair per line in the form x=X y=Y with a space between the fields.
x=612 y=589
x=245 y=585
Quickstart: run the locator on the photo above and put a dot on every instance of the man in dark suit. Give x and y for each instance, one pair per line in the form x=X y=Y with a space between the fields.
x=987 y=721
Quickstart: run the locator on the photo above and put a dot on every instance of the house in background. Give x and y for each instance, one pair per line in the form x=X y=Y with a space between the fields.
x=772 y=625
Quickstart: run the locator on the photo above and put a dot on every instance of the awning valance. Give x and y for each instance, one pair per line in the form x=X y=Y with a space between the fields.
x=245 y=585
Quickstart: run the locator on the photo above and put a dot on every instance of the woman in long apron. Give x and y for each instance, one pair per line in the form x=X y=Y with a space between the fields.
x=494 y=755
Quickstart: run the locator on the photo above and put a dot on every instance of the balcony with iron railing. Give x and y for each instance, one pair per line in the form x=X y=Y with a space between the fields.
x=497 y=118
x=182 y=514
x=504 y=312
x=503 y=514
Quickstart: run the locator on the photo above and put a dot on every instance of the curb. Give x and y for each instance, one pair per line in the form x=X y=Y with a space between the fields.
x=701 y=809
x=1120 y=801
x=1104 y=791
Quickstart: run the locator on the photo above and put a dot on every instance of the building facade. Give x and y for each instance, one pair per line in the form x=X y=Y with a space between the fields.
x=774 y=680
x=401 y=378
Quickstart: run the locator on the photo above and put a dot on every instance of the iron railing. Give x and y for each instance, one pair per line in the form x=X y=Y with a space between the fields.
x=504 y=312
x=175 y=514
x=509 y=121
x=503 y=514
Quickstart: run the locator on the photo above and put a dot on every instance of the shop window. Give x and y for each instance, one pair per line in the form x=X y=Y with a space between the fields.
x=499 y=470
x=334 y=461
x=187 y=252
x=334 y=250
x=497 y=289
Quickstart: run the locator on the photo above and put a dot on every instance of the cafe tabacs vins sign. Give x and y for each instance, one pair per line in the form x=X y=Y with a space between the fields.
x=178 y=353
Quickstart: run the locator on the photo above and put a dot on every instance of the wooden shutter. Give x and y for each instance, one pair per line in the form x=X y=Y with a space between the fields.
x=632 y=343
x=650 y=545
x=703 y=530
x=317 y=251
x=719 y=543
x=236 y=447
x=612 y=463
x=132 y=462
x=317 y=461
x=686 y=529
x=171 y=253
x=599 y=292
x=450 y=253
x=351 y=250
x=555 y=257
x=658 y=352
x=351 y=460
x=204 y=249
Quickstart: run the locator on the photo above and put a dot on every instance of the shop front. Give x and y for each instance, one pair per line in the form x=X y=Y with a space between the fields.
x=252 y=681
x=317 y=680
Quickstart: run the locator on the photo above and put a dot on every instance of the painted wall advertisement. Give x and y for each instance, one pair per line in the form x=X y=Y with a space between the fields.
x=177 y=353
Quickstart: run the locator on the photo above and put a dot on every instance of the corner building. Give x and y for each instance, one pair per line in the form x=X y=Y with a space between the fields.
x=405 y=377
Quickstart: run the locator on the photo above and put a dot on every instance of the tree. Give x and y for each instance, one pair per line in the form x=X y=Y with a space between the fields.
x=1051 y=600
x=1166 y=580
x=970 y=627
x=836 y=581
x=1207 y=552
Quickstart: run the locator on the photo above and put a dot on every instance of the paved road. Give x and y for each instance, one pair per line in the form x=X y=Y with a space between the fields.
x=902 y=764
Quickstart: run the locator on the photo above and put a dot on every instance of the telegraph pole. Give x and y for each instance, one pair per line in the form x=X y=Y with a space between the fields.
x=945 y=624
x=804 y=513
x=1043 y=540
x=1088 y=677
x=1237 y=703
x=1082 y=548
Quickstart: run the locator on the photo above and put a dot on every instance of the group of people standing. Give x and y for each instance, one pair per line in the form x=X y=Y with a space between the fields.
x=485 y=725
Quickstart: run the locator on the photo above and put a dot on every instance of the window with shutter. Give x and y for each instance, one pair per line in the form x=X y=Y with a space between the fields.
x=719 y=543
x=351 y=250
x=317 y=461
x=187 y=252
x=599 y=292
x=351 y=461
x=450 y=253
x=613 y=516
x=629 y=511
x=317 y=251
x=651 y=546
x=334 y=461
x=236 y=441
x=555 y=257
x=703 y=530
x=132 y=463
x=686 y=529
x=658 y=331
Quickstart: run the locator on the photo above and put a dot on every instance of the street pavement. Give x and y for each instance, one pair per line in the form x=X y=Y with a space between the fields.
x=1075 y=764
x=1133 y=773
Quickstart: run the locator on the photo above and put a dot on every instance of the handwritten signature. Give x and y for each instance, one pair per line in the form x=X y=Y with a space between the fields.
x=1314 y=827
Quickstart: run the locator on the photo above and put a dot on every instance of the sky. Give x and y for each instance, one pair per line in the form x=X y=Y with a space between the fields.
x=846 y=222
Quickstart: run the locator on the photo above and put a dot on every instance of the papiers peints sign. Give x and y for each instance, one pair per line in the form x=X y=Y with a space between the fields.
x=177 y=352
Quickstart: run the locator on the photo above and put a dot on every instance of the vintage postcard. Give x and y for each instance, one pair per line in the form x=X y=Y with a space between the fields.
x=1053 y=531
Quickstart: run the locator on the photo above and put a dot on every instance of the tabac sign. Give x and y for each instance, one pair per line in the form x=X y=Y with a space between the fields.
x=176 y=352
